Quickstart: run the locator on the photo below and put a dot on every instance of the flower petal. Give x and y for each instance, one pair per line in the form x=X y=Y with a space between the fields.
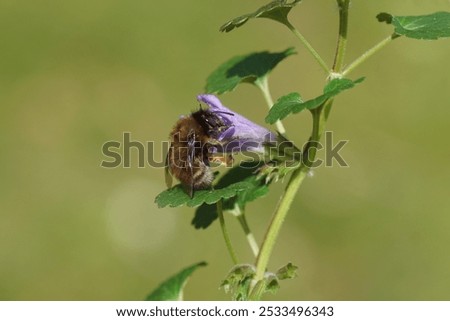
x=242 y=134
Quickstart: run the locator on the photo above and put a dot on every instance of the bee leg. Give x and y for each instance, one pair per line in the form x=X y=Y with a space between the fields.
x=226 y=160
x=190 y=161
x=168 y=174
x=191 y=190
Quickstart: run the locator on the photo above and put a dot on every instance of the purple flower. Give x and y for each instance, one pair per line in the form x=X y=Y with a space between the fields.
x=242 y=134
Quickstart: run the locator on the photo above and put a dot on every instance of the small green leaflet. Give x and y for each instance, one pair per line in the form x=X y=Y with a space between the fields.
x=428 y=27
x=247 y=68
x=284 y=106
x=172 y=288
x=177 y=196
x=277 y=10
x=293 y=103
x=284 y=158
x=289 y=271
x=238 y=281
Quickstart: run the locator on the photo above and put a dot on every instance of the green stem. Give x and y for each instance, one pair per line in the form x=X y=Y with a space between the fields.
x=257 y=291
x=342 y=39
x=369 y=53
x=308 y=46
x=263 y=84
x=225 y=233
x=248 y=233
x=286 y=199
x=277 y=220
x=320 y=116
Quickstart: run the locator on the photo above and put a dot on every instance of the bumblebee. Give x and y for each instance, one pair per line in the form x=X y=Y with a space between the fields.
x=191 y=150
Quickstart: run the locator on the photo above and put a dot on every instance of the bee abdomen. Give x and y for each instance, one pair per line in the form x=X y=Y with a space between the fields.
x=202 y=177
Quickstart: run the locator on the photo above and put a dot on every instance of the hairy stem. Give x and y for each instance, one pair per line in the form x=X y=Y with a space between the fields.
x=342 y=38
x=369 y=53
x=225 y=233
x=248 y=233
x=263 y=85
x=257 y=291
x=308 y=46
x=286 y=199
x=277 y=220
x=320 y=116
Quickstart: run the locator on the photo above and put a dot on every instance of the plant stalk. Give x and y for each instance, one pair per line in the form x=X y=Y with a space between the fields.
x=288 y=196
x=320 y=116
x=342 y=38
x=263 y=85
x=308 y=46
x=369 y=53
x=226 y=236
x=248 y=234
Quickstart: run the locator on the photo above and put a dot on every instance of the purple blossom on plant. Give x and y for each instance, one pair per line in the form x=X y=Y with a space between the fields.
x=241 y=134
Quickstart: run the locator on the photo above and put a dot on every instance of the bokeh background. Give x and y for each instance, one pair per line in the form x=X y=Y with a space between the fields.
x=76 y=74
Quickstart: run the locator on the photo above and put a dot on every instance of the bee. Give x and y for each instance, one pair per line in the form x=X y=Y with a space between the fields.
x=190 y=152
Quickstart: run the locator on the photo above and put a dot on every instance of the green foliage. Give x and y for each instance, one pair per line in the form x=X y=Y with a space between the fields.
x=247 y=68
x=292 y=103
x=428 y=27
x=258 y=188
x=250 y=181
x=245 y=172
x=277 y=10
x=272 y=284
x=238 y=280
x=271 y=281
x=289 y=271
x=177 y=196
x=284 y=157
x=284 y=106
x=172 y=288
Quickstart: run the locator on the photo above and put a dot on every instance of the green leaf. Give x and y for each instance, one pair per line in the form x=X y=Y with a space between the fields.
x=247 y=68
x=272 y=283
x=240 y=277
x=284 y=106
x=176 y=196
x=277 y=10
x=256 y=190
x=246 y=172
x=428 y=27
x=172 y=289
x=269 y=284
x=283 y=157
x=289 y=271
x=238 y=280
x=292 y=103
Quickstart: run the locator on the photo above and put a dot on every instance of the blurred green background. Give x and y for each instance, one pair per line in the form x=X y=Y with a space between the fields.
x=75 y=74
